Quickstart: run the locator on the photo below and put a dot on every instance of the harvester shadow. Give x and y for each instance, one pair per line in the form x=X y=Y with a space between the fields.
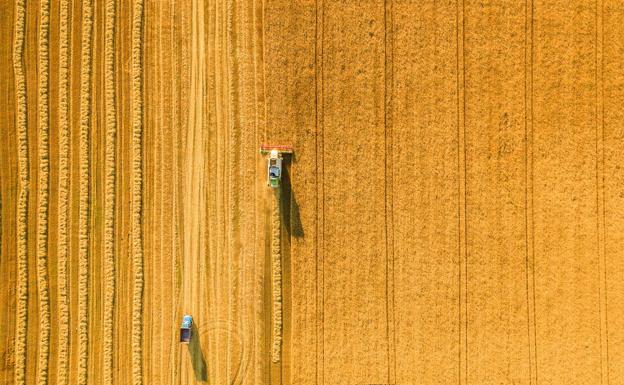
x=197 y=356
x=289 y=207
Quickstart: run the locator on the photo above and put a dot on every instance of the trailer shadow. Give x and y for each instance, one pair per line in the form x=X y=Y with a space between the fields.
x=197 y=356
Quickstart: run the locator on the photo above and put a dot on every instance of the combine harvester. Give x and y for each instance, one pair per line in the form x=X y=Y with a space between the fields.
x=274 y=164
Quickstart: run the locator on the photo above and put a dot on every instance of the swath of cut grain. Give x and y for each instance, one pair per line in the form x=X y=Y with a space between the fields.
x=43 y=194
x=110 y=188
x=137 y=187
x=276 y=258
x=19 y=30
x=84 y=165
x=63 y=197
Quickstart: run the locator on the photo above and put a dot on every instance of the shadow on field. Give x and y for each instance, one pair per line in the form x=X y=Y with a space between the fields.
x=197 y=356
x=289 y=206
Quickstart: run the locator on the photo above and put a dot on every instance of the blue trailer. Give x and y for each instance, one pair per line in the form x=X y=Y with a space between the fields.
x=186 y=329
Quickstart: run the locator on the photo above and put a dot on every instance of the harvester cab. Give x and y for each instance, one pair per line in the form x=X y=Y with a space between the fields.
x=186 y=329
x=274 y=163
x=275 y=169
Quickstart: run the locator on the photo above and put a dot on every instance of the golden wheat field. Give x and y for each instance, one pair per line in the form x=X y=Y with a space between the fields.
x=452 y=212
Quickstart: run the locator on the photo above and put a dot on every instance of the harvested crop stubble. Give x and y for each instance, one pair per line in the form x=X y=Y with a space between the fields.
x=110 y=190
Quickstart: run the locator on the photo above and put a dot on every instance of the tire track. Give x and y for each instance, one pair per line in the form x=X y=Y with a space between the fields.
x=43 y=193
x=320 y=192
x=461 y=190
x=110 y=188
x=63 y=198
x=137 y=187
x=84 y=186
x=389 y=189
x=600 y=194
x=23 y=187
x=529 y=206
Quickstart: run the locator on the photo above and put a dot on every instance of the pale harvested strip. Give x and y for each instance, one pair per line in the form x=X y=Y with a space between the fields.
x=233 y=188
x=63 y=197
x=164 y=135
x=83 y=217
x=110 y=198
x=22 y=205
x=137 y=190
x=43 y=193
x=174 y=206
x=276 y=257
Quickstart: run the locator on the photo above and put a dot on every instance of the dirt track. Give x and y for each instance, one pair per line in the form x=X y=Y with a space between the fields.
x=452 y=212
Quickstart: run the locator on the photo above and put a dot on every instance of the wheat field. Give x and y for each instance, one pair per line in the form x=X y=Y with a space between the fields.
x=451 y=212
